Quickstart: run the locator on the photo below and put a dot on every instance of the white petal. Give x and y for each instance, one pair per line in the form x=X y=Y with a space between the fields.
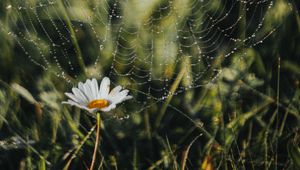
x=122 y=99
x=118 y=98
x=64 y=102
x=70 y=102
x=73 y=97
x=88 y=87
x=84 y=90
x=79 y=95
x=109 y=108
x=80 y=86
x=127 y=98
x=95 y=88
x=114 y=92
x=104 y=87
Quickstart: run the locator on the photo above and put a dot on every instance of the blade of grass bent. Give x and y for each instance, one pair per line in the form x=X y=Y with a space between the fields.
x=186 y=152
x=79 y=147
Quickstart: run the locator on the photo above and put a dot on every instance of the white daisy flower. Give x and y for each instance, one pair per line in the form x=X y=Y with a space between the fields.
x=92 y=98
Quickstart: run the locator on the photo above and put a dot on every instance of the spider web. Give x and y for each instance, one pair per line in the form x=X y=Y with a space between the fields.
x=142 y=45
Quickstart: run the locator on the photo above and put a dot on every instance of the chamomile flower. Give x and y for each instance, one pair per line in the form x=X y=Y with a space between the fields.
x=90 y=97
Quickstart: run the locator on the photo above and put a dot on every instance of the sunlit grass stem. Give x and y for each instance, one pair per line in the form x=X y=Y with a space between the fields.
x=73 y=37
x=170 y=96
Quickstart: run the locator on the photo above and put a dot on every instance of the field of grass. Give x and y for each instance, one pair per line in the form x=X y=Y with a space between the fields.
x=215 y=84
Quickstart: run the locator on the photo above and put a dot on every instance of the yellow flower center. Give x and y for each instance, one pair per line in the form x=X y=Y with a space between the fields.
x=99 y=103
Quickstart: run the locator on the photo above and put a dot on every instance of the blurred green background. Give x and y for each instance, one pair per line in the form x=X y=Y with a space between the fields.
x=215 y=83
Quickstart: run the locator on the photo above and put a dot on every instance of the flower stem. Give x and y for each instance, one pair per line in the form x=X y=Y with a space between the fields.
x=97 y=141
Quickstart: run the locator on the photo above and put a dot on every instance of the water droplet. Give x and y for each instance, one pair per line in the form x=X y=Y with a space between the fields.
x=8 y=6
